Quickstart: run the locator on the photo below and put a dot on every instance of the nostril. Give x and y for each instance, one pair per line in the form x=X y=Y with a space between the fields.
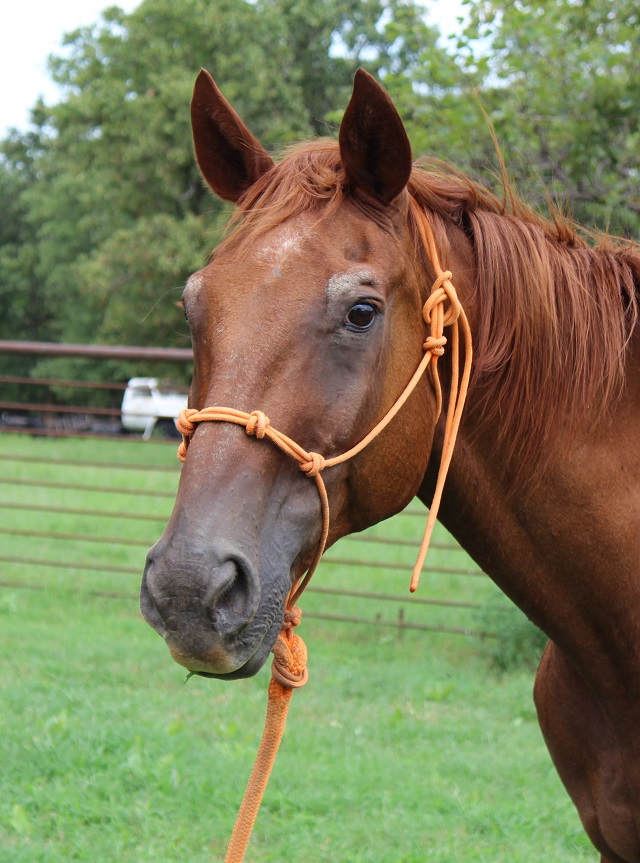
x=212 y=592
x=233 y=596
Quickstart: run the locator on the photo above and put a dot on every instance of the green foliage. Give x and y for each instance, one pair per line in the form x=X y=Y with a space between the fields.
x=562 y=87
x=103 y=213
x=24 y=307
x=518 y=643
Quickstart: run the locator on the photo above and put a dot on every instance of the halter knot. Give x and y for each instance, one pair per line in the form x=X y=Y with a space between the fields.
x=257 y=424
x=289 y=665
x=445 y=276
x=315 y=464
x=435 y=346
x=183 y=422
x=186 y=428
x=292 y=617
x=441 y=292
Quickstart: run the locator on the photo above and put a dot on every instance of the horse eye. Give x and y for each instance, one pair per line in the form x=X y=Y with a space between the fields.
x=360 y=317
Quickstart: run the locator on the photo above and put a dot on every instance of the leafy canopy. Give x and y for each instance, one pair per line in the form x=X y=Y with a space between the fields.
x=103 y=214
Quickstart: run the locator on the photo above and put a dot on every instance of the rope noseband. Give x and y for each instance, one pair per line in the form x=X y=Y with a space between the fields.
x=442 y=309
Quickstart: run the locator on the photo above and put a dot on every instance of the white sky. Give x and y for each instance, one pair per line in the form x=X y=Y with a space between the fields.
x=30 y=31
x=33 y=29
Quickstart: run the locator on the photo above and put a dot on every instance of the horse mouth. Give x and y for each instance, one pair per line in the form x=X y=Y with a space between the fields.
x=196 y=643
x=223 y=666
x=249 y=669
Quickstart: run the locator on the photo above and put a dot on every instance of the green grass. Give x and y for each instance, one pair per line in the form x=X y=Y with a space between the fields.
x=159 y=492
x=403 y=748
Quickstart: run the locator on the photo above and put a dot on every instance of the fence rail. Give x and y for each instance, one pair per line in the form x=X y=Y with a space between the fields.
x=100 y=352
x=79 y=510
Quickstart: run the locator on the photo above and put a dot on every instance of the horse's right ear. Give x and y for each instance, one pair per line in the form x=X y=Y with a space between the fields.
x=228 y=155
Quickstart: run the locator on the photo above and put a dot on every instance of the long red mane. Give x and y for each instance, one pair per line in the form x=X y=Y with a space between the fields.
x=556 y=312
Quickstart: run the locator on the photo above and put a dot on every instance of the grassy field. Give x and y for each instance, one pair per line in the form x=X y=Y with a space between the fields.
x=403 y=748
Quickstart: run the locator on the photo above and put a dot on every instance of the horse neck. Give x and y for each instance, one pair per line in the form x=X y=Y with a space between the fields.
x=518 y=496
x=561 y=543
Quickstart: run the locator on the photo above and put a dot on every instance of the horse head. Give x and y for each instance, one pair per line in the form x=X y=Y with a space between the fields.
x=310 y=312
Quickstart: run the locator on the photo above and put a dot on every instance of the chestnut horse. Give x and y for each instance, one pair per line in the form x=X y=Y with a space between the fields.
x=311 y=311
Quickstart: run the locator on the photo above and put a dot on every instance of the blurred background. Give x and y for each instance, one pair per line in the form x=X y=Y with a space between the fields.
x=102 y=211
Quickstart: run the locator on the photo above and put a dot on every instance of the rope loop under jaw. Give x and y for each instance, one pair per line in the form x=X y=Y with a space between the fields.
x=288 y=672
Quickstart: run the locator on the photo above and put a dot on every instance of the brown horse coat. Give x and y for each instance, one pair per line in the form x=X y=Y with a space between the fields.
x=310 y=311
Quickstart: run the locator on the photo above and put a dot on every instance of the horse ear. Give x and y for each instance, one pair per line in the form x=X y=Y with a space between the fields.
x=375 y=149
x=228 y=155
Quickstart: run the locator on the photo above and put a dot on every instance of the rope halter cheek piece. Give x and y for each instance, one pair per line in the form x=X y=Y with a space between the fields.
x=442 y=309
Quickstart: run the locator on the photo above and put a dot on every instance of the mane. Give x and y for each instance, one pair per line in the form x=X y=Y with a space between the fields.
x=557 y=309
x=557 y=304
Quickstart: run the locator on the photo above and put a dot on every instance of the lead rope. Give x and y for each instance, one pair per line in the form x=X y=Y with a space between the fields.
x=288 y=671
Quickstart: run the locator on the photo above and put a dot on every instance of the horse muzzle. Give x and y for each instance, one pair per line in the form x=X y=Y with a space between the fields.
x=207 y=606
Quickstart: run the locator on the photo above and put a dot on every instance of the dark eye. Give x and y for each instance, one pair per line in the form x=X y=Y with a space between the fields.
x=360 y=317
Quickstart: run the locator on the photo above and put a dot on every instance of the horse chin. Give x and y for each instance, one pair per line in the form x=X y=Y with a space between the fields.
x=249 y=669
x=222 y=665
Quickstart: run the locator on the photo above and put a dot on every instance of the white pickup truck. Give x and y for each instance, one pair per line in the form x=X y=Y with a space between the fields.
x=146 y=405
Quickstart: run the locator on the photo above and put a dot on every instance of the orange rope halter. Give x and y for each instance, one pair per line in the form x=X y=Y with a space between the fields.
x=442 y=309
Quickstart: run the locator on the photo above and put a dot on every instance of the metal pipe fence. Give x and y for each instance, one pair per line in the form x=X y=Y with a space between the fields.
x=78 y=509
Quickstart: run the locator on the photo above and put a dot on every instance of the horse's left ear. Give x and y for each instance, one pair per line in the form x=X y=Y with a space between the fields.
x=375 y=149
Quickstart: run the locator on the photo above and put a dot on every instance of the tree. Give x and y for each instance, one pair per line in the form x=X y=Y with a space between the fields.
x=562 y=87
x=103 y=214
x=111 y=164
x=434 y=92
